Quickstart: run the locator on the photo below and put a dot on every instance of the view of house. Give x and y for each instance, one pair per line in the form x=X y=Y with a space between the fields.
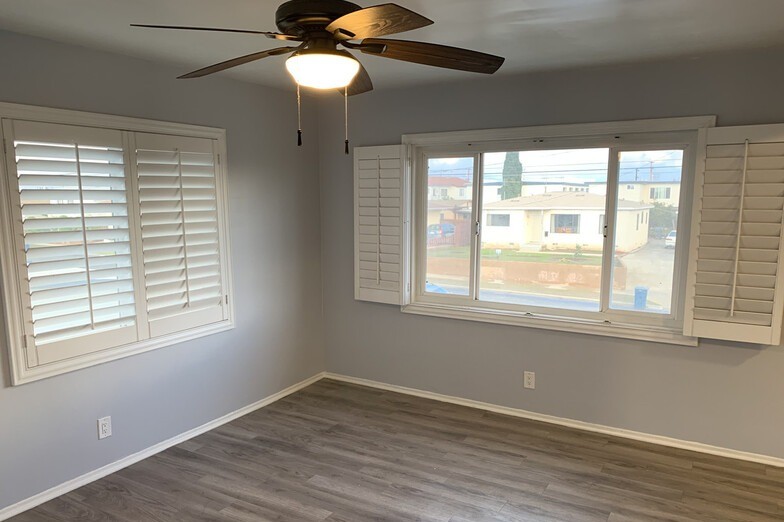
x=544 y=227
x=562 y=221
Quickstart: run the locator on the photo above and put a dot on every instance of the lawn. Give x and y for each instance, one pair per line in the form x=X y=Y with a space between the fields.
x=514 y=255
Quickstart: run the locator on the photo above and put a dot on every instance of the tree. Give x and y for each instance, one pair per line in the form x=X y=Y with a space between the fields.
x=512 y=176
x=664 y=217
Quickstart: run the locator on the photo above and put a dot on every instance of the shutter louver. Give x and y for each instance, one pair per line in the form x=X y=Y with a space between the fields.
x=379 y=223
x=736 y=290
x=179 y=219
x=74 y=222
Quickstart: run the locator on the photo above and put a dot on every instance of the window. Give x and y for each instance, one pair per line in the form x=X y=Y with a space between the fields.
x=448 y=233
x=661 y=192
x=118 y=239
x=730 y=291
x=498 y=220
x=565 y=224
x=522 y=265
x=649 y=263
x=584 y=256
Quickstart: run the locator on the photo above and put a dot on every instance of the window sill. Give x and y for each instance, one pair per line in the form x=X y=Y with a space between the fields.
x=561 y=324
x=23 y=375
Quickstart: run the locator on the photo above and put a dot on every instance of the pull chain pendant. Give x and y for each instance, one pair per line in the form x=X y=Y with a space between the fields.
x=345 y=97
x=299 y=118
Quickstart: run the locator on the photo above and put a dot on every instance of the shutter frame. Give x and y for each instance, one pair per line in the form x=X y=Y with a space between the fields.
x=724 y=269
x=380 y=237
x=154 y=151
x=58 y=340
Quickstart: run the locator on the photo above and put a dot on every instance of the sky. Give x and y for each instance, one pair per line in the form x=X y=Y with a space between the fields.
x=573 y=165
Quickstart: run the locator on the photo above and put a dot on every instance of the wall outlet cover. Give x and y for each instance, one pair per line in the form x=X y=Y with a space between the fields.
x=529 y=380
x=104 y=427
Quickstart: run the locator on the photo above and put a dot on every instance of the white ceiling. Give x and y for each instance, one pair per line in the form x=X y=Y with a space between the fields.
x=531 y=34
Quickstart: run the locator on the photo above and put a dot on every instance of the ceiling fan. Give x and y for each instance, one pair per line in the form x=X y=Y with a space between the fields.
x=320 y=26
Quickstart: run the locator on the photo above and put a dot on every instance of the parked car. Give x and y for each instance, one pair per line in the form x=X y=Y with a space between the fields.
x=440 y=230
x=669 y=240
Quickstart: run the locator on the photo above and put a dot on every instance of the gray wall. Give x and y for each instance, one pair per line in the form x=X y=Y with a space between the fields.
x=48 y=428
x=720 y=393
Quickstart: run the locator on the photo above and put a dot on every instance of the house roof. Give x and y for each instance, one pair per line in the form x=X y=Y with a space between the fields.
x=562 y=200
x=447 y=181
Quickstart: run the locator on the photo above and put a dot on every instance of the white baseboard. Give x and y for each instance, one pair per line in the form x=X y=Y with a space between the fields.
x=94 y=475
x=571 y=423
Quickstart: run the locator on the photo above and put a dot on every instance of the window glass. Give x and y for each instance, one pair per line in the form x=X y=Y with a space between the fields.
x=550 y=252
x=449 y=218
x=498 y=220
x=645 y=248
x=565 y=223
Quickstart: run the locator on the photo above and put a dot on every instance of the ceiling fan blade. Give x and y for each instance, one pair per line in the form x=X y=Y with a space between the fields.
x=360 y=84
x=228 y=64
x=277 y=36
x=433 y=54
x=379 y=20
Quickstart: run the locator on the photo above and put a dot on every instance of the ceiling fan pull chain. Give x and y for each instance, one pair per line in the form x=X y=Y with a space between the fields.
x=345 y=98
x=299 y=118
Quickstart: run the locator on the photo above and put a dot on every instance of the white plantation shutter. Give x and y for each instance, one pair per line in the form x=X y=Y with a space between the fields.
x=114 y=242
x=736 y=287
x=179 y=207
x=73 y=232
x=379 y=224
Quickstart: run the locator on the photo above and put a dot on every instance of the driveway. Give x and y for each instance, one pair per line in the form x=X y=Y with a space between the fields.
x=651 y=266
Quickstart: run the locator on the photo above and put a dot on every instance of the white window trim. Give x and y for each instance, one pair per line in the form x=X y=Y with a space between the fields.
x=464 y=142
x=16 y=338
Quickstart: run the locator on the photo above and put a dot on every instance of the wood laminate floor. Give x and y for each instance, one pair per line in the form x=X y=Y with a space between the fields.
x=339 y=452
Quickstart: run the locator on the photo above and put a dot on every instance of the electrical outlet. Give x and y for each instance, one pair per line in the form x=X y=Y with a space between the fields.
x=529 y=380
x=104 y=427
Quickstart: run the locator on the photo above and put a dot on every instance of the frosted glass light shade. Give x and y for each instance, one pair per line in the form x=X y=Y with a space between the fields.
x=322 y=70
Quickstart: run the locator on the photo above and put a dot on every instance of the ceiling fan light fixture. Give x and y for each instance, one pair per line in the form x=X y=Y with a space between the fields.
x=322 y=69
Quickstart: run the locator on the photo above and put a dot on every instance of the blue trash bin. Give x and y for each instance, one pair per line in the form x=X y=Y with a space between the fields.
x=640 y=297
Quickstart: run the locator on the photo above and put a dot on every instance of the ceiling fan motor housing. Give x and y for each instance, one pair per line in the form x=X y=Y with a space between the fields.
x=300 y=17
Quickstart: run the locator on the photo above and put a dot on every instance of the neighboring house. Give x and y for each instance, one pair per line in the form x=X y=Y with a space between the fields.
x=665 y=192
x=533 y=188
x=491 y=190
x=448 y=188
x=447 y=211
x=560 y=221
x=449 y=199
x=662 y=192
